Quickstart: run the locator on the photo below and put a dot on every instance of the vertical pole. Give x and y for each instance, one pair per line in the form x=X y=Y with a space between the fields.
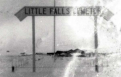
x=96 y=44
x=33 y=42
x=54 y=34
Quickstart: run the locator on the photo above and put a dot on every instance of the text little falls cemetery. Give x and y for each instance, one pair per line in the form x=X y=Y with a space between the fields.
x=57 y=11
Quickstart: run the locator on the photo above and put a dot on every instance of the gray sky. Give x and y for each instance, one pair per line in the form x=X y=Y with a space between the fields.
x=71 y=32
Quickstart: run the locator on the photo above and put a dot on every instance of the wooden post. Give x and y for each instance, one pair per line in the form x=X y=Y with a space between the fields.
x=96 y=44
x=33 y=43
x=54 y=36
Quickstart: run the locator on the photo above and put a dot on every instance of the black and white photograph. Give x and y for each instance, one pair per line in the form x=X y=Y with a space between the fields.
x=60 y=38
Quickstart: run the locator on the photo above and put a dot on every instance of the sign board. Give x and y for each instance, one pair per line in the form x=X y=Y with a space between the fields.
x=57 y=11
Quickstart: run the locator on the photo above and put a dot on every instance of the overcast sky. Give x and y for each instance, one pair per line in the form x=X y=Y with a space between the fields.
x=71 y=32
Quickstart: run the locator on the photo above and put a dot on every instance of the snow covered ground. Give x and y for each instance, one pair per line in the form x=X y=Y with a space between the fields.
x=47 y=67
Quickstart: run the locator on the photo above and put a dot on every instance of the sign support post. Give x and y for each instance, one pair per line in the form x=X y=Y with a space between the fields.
x=33 y=43
x=96 y=43
x=54 y=35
